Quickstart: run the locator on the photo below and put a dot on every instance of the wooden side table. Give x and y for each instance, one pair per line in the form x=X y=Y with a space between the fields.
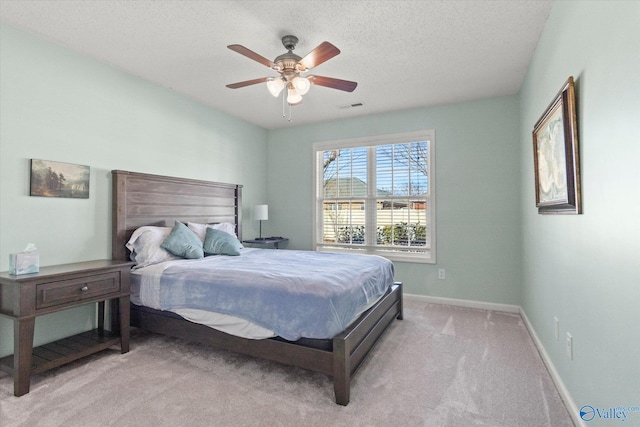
x=267 y=241
x=57 y=288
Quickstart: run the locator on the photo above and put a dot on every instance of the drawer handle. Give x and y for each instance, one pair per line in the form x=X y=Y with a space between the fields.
x=84 y=288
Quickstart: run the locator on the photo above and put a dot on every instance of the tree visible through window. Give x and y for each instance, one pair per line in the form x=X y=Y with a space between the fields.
x=375 y=195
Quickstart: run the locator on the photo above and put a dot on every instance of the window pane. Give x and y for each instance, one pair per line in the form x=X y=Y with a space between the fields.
x=401 y=169
x=384 y=222
x=389 y=221
x=402 y=222
x=417 y=222
x=359 y=172
x=384 y=170
x=330 y=172
x=401 y=163
x=345 y=172
x=329 y=224
x=343 y=222
x=418 y=169
x=350 y=223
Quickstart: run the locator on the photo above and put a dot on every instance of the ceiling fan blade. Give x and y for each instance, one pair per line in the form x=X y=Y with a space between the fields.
x=251 y=54
x=247 y=83
x=324 y=52
x=344 y=85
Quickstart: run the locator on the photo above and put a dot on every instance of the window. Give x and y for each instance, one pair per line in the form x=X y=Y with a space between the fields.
x=376 y=195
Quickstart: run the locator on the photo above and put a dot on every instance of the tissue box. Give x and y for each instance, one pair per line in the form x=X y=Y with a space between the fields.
x=24 y=262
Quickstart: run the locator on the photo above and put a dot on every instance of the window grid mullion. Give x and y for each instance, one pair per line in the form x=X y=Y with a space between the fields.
x=409 y=186
x=393 y=193
x=371 y=201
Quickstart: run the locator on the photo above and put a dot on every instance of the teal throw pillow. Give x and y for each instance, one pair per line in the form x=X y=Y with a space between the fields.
x=183 y=242
x=217 y=242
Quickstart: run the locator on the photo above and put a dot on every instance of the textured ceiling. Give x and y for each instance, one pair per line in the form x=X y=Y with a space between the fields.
x=403 y=54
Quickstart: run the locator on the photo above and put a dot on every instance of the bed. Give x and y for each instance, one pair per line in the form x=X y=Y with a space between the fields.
x=154 y=200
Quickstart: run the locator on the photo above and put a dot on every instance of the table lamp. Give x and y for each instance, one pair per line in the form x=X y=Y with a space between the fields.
x=261 y=213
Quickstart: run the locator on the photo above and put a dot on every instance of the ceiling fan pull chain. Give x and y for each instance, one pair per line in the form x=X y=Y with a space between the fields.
x=283 y=102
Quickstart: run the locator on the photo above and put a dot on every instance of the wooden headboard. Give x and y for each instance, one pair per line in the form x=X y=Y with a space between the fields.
x=142 y=199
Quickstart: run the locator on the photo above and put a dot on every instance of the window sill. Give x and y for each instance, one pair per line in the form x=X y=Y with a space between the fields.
x=417 y=258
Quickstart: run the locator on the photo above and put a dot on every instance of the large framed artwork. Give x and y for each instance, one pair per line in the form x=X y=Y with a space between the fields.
x=57 y=179
x=555 y=154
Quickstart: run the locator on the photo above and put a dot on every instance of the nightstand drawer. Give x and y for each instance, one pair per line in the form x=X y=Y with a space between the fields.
x=73 y=290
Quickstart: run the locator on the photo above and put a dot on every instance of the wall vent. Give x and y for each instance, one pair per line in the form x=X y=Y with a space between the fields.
x=346 y=106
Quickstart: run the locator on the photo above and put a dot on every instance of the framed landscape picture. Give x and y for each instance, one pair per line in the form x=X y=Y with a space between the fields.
x=555 y=153
x=56 y=179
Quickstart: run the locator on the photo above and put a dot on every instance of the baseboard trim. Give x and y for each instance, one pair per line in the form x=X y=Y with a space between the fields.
x=574 y=412
x=570 y=404
x=509 y=308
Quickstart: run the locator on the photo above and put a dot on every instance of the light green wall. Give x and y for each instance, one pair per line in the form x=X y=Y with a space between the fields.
x=478 y=212
x=57 y=105
x=585 y=269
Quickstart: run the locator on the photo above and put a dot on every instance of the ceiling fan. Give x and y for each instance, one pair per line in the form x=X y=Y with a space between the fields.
x=291 y=66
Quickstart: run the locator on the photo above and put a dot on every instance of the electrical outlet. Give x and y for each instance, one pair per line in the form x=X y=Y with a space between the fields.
x=557 y=328
x=441 y=274
x=569 y=346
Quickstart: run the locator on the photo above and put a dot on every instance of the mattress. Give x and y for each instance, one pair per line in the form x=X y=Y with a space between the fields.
x=265 y=293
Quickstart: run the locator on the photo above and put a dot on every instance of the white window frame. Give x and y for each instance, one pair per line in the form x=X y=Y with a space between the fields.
x=428 y=256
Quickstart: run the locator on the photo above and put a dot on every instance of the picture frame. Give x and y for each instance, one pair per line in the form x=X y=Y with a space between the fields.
x=58 y=179
x=556 y=157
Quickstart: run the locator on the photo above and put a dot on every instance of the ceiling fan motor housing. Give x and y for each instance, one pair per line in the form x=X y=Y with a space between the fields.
x=288 y=63
x=289 y=42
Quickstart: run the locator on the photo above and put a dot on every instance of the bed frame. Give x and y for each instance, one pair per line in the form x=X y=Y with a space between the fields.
x=143 y=199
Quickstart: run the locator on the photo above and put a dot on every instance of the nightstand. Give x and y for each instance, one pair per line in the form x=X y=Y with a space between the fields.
x=267 y=241
x=57 y=288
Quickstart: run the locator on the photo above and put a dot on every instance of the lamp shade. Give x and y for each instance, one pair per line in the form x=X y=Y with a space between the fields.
x=302 y=85
x=261 y=212
x=275 y=86
x=293 y=96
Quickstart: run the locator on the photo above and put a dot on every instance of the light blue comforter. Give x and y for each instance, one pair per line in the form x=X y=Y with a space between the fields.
x=293 y=293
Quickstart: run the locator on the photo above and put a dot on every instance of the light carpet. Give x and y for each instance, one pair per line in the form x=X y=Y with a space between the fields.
x=440 y=366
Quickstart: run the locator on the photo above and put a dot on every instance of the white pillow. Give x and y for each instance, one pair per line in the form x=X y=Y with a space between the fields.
x=145 y=248
x=201 y=229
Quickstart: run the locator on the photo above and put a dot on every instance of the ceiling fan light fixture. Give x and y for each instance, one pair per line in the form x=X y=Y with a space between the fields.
x=275 y=86
x=302 y=85
x=290 y=66
x=293 y=97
